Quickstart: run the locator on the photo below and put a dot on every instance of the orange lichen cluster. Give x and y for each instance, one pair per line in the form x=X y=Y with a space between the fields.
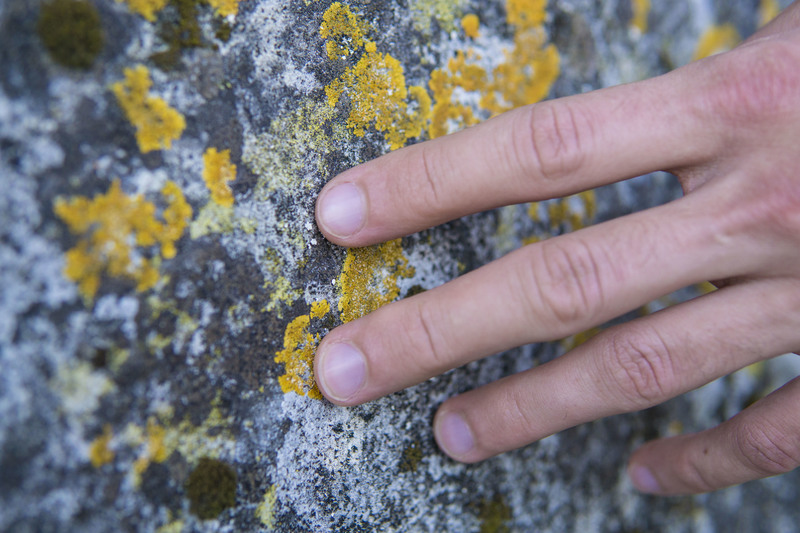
x=641 y=11
x=146 y=8
x=157 y=124
x=155 y=450
x=217 y=172
x=344 y=31
x=299 y=346
x=225 y=8
x=149 y=8
x=471 y=25
x=377 y=91
x=99 y=451
x=116 y=230
x=375 y=85
x=369 y=278
x=715 y=40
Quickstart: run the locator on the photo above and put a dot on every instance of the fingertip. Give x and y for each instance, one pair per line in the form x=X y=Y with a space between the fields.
x=643 y=479
x=454 y=436
x=340 y=371
x=341 y=211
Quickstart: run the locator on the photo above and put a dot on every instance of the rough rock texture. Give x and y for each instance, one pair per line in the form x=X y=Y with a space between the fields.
x=164 y=284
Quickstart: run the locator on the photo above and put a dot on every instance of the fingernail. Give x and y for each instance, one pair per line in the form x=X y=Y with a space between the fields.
x=454 y=435
x=342 y=371
x=644 y=480
x=342 y=210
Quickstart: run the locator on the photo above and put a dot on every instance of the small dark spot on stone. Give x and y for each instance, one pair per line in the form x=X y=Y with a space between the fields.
x=412 y=455
x=494 y=514
x=71 y=31
x=211 y=488
x=100 y=358
x=414 y=290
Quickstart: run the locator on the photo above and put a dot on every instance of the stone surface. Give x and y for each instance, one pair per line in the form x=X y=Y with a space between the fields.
x=164 y=284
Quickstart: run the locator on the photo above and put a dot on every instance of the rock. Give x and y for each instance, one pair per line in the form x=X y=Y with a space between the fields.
x=164 y=284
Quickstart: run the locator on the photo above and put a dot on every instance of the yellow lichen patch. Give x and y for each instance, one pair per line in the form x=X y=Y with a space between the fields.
x=116 y=232
x=530 y=67
x=217 y=172
x=471 y=25
x=99 y=451
x=572 y=213
x=225 y=8
x=379 y=98
x=344 y=31
x=447 y=115
x=579 y=338
x=265 y=512
x=524 y=77
x=295 y=147
x=715 y=40
x=156 y=123
x=445 y=12
x=146 y=8
x=297 y=356
x=768 y=10
x=641 y=11
x=160 y=439
x=155 y=450
x=526 y=13
x=369 y=278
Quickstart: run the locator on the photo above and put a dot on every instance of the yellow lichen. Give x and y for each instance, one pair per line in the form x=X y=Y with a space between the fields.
x=265 y=512
x=444 y=12
x=344 y=31
x=225 y=8
x=530 y=67
x=297 y=356
x=156 y=123
x=641 y=11
x=160 y=439
x=217 y=172
x=146 y=8
x=369 y=278
x=155 y=450
x=448 y=115
x=379 y=98
x=117 y=232
x=715 y=40
x=471 y=25
x=768 y=10
x=99 y=452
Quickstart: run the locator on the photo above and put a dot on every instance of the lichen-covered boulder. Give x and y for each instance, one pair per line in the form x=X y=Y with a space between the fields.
x=164 y=286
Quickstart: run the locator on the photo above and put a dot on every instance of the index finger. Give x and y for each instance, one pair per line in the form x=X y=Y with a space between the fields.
x=542 y=151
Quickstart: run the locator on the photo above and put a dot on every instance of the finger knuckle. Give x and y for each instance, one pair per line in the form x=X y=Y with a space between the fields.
x=640 y=364
x=555 y=141
x=758 y=82
x=564 y=282
x=766 y=449
x=424 y=327
x=421 y=191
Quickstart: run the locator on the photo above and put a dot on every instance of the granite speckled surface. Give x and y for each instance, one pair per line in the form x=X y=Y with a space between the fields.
x=164 y=284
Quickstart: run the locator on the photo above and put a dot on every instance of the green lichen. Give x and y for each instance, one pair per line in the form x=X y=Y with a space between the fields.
x=211 y=488
x=494 y=515
x=71 y=31
x=412 y=455
x=447 y=14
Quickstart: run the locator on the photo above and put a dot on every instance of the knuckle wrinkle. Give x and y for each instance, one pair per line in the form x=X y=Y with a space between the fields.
x=557 y=139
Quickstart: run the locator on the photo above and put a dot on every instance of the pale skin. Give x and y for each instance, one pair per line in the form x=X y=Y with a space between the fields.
x=729 y=128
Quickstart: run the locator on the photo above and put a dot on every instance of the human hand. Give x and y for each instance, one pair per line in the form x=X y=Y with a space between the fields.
x=727 y=127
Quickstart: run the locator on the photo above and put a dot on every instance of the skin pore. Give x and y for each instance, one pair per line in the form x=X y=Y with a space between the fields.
x=727 y=127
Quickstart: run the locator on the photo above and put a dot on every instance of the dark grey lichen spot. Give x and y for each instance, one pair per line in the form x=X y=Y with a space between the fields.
x=211 y=488
x=71 y=31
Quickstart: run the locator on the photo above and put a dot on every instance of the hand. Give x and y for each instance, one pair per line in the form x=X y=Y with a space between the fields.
x=728 y=128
